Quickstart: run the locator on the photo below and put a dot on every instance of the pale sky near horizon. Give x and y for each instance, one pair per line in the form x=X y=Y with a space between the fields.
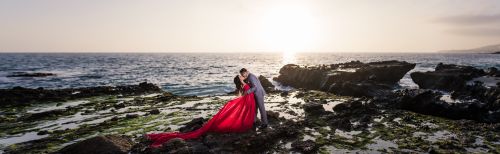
x=247 y=26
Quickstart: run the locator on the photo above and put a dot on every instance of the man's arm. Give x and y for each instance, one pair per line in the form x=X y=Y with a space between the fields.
x=252 y=80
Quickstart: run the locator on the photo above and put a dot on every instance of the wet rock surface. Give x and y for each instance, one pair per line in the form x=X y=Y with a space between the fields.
x=430 y=103
x=23 y=96
x=100 y=145
x=346 y=124
x=304 y=120
x=466 y=101
x=352 y=79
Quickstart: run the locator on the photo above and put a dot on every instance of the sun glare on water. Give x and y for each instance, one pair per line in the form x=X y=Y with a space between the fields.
x=289 y=58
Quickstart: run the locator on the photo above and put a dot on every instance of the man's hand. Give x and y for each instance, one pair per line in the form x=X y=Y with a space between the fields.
x=248 y=92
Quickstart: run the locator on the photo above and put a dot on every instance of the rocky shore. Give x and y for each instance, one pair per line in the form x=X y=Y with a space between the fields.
x=339 y=108
x=23 y=96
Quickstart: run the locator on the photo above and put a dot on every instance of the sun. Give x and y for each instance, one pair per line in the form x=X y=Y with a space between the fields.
x=288 y=28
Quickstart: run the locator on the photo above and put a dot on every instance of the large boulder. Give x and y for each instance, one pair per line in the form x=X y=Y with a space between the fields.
x=353 y=78
x=109 y=144
x=447 y=77
x=268 y=86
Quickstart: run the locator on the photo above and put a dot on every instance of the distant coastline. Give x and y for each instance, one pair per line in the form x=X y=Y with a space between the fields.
x=490 y=49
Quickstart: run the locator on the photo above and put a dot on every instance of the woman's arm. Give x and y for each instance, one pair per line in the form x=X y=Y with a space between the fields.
x=238 y=93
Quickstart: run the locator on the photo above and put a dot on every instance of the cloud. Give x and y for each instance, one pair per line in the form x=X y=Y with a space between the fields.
x=471 y=19
x=472 y=25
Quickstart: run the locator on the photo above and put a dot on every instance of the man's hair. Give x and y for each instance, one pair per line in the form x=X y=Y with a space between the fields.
x=243 y=70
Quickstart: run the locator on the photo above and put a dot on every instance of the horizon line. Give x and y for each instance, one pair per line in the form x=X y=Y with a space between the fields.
x=233 y=52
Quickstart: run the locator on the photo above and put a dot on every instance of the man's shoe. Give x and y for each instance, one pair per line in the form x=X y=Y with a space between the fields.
x=263 y=126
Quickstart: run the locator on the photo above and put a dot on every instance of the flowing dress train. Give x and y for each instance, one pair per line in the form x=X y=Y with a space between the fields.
x=236 y=116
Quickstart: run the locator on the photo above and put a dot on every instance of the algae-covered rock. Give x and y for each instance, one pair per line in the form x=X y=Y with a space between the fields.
x=307 y=146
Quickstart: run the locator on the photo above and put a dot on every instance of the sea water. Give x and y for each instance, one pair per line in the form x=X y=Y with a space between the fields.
x=194 y=73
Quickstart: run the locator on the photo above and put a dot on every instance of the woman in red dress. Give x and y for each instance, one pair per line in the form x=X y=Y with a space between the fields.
x=235 y=117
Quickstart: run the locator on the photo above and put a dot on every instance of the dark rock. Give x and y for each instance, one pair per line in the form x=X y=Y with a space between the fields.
x=430 y=103
x=43 y=132
x=284 y=94
x=22 y=96
x=356 y=104
x=24 y=74
x=353 y=78
x=266 y=84
x=341 y=107
x=115 y=118
x=300 y=95
x=342 y=124
x=154 y=111
x=197 y=147
x=447 y=77
x=307 y=146
x=119 y=105
x=166 y=96
x=131 y=116
x=493 y=71
x=271 y=115
x=100 y=145
x=349 y=105
x=314 y=108
x=176 y=145
x=47 y=114
x=192 y=125
x=359 y=111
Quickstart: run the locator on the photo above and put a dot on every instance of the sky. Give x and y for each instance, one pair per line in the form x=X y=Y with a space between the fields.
x=247 y=26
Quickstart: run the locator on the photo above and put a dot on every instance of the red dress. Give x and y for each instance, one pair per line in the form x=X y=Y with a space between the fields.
x=235 y=117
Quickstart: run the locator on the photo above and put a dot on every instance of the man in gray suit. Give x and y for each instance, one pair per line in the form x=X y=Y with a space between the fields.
x=258 y=90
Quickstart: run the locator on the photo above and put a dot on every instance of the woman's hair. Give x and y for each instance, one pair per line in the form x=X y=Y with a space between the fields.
x=238 y=84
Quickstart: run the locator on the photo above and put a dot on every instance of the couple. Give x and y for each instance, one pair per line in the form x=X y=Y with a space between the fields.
x=238 y=115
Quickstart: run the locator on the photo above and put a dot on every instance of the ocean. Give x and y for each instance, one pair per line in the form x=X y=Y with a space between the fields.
x=198 y=74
